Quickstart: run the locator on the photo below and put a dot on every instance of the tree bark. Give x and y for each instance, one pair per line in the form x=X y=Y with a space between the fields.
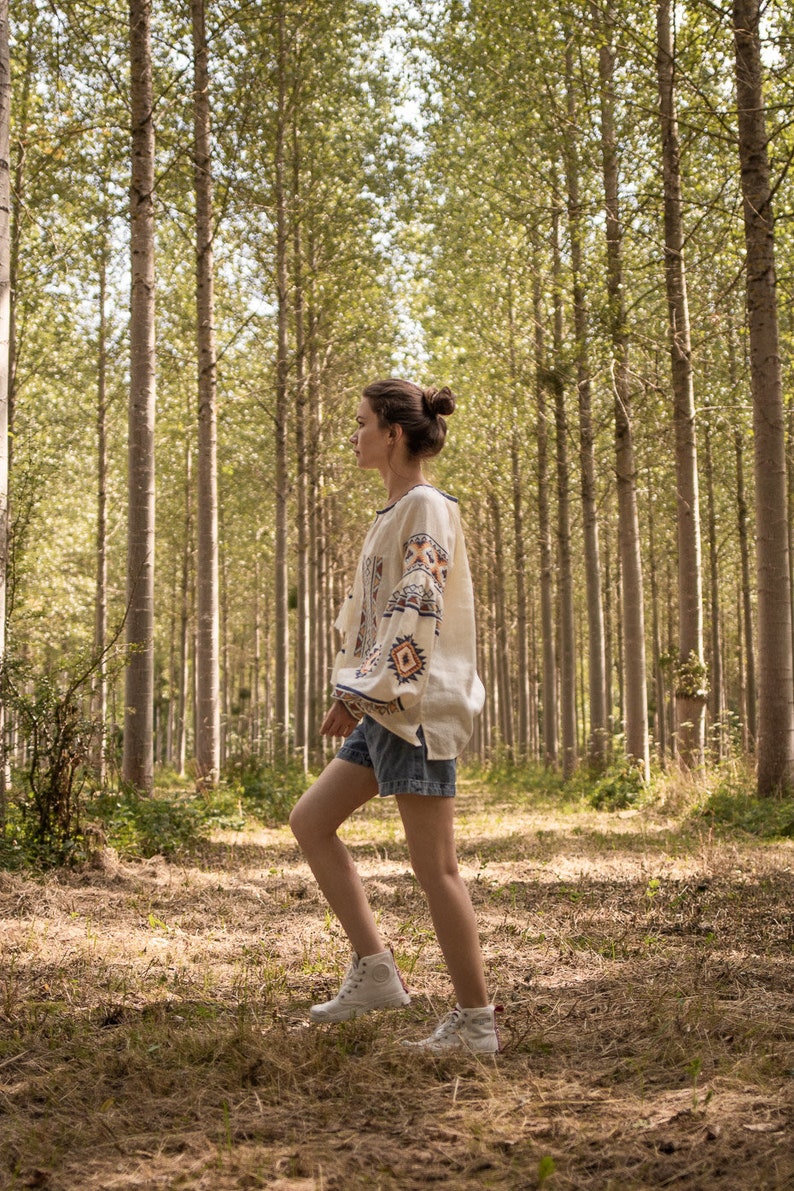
x=302 y=469
x=716 y=694
x=208 y=724
x=138 y=764
x=5 y=344
x=691 y=687
x=565 y=564
x=281 y=658
x=633 y=618
x=549 y=675
x=775 y=743
x=101 y=597
x=520 y=551
x=597 y=740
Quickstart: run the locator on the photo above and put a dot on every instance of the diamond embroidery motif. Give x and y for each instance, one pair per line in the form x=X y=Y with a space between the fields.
x=425 y=554
x=406 y=659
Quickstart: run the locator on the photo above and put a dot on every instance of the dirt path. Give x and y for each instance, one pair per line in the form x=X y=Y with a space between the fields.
x=153 y=1028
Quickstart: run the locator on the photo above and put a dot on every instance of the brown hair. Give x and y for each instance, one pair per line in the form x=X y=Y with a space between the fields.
x=420 y=412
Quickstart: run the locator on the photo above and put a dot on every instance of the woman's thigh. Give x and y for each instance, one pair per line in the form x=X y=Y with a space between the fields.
x=429 y=831
x=340 y=790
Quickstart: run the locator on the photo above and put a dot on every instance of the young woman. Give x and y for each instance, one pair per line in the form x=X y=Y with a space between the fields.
x=405 y=694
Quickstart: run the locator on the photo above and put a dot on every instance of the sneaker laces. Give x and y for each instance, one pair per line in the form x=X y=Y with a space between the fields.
x=353 y=978
x=448 y=1026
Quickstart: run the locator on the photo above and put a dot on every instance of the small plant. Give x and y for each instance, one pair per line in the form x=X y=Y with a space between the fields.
x=137 y=825
x=269 y=790
x=620 y=787
x=691 y=677
x=60 y=739
x=734 y=804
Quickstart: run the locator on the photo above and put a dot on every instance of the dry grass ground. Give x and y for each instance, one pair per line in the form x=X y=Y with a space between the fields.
x=154 y=1031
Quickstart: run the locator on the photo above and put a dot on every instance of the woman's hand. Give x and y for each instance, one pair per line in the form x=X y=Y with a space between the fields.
x=338 y=721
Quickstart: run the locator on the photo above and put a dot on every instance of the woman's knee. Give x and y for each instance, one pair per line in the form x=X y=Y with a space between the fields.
x=435 y=875
x=301 y=821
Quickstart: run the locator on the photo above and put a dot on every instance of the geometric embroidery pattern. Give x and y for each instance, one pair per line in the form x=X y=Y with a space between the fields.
x=423 y=553
x=370 y=662
x=406 y=659
x=372 y=573
x=414 y=597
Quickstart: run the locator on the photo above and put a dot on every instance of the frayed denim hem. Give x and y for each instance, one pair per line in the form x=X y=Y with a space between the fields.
x=432 y=789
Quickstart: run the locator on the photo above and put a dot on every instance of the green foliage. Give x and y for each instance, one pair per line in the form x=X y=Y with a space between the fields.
x=269 y=791
x=503 y=774
x=735 y=804
x=622 y=786
x=147 y=826
x=45 y=802
x=691 y=677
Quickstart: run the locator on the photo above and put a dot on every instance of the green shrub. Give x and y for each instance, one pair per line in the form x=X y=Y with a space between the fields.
x=268 y=791
x=137 y=825
x=734 y=804
x=621 y=787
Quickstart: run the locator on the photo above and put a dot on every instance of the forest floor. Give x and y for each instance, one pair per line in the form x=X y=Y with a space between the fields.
x=154 y=1024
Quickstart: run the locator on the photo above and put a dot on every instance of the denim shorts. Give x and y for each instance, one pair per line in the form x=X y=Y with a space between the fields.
x=400 y=767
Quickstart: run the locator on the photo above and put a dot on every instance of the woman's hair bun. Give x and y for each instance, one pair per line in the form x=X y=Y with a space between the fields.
x=439 y=401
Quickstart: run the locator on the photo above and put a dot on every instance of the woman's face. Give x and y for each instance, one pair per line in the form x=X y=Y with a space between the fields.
x=373 y=444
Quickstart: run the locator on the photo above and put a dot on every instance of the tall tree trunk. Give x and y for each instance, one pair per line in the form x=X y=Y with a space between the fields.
x=302 y=479
x=565 y=564
x=656 y=641
x=101 y=598
x=520 y=551
x=138 y=765
x=690 y=675
x=208 y=718
x=522 y=630
x=281 y=659
x=633 y=619
x=501 y=634
x=717 y=701
x=747 y=600
x=184 y=616
x=316 y=560
x=599 y=726
x=549 y=677
x=5 y=344
x=775 y=745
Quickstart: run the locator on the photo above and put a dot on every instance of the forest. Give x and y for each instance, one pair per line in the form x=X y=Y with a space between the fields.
x=222 y=224
x=219 y=223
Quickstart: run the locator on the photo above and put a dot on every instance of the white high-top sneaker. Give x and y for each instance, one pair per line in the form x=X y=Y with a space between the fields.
x=464 y=1029
x=372 y=982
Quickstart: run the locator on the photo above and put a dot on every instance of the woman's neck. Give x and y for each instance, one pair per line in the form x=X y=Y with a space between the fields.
x=398 y=484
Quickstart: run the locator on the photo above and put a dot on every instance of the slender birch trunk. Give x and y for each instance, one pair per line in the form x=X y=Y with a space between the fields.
x=138 y=764
x=633 y=618
x=691 y=686
x=775 y=744
x=208 y=722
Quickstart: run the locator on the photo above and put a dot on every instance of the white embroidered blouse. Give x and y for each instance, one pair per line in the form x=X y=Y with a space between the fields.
x=408 y=654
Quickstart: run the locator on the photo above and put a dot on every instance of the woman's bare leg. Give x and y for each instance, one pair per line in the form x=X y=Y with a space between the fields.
x=340 y=790
x=428 y=823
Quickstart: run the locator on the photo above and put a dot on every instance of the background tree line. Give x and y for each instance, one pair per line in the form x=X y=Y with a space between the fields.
x=222 y=223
